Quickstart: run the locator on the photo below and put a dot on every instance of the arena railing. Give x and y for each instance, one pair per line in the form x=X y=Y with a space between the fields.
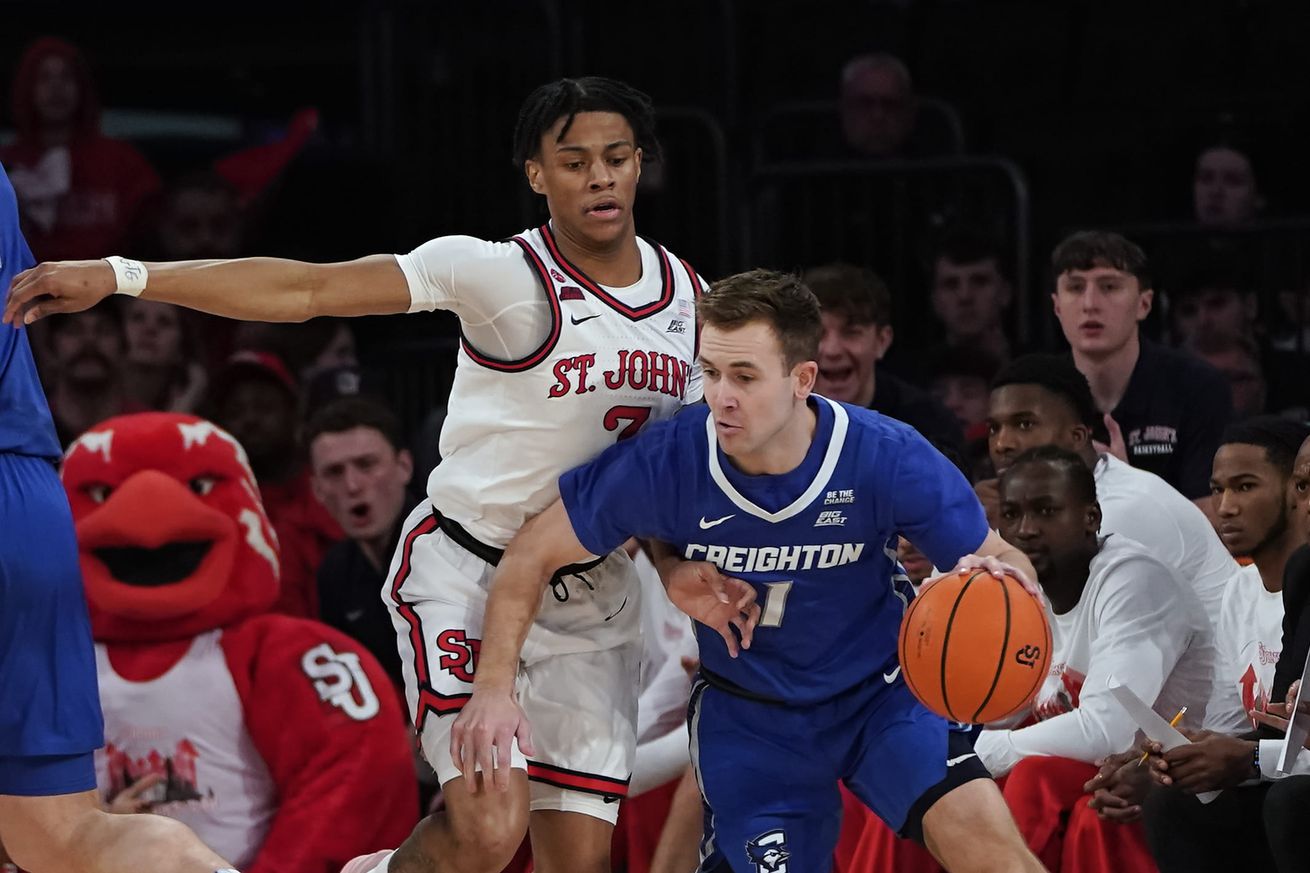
x=885 y=215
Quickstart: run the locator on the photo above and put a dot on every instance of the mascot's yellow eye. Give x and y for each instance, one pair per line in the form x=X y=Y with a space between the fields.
x=202 y=485
x=98 y=492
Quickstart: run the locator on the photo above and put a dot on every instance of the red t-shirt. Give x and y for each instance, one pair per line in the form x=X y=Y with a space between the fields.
x=305 y=531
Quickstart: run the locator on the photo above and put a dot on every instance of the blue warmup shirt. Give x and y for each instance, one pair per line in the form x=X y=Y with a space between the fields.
x=25 y=424
x=818 y=543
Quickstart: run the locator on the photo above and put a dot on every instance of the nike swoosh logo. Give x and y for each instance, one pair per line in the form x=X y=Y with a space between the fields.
x=354 y=614
x=706 y=525
x=617 y=611
x=951 y=762
x=577 y=320
x=889 y=678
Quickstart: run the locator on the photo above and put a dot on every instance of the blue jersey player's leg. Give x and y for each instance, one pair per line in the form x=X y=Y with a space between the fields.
x=924 y=781
x=768 y=773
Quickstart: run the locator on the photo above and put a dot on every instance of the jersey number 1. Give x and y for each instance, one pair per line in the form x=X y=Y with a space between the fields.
x=635 y=416
x=775 y=603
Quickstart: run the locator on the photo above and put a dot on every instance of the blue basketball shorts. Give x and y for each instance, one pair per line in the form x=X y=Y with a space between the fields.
x=50 y=721
x=769 y=772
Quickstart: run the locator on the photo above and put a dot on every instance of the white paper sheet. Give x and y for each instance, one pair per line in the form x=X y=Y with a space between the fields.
x=1155 y=727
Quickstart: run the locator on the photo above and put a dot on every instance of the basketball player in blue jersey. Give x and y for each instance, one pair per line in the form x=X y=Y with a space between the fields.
x=50 y=724
x=803 y=498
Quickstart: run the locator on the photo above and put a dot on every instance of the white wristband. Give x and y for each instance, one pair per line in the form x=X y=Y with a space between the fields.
x=129 y=275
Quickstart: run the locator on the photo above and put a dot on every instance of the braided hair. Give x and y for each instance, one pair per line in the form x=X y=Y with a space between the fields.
x=1074 y=467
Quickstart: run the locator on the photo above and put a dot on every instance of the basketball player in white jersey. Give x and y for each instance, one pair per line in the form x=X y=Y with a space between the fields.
x=574 y=335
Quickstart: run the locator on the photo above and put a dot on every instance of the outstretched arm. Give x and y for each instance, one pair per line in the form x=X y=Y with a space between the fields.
x=254 y=289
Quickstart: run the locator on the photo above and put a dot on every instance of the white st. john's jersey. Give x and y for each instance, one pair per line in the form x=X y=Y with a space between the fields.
x=599 y=363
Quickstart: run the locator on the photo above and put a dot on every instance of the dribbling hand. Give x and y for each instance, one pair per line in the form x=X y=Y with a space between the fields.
x=62 y=286
x=999 y=569
x=483 y=738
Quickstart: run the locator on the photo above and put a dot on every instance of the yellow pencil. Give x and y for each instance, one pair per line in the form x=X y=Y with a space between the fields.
x=1172 y=723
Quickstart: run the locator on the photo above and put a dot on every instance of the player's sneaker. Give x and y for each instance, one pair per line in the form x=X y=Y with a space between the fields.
x=366 y=863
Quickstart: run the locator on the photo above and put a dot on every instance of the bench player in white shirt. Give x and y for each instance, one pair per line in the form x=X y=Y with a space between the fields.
x=574 y=334
x=1117 y=617
x=1044 y=400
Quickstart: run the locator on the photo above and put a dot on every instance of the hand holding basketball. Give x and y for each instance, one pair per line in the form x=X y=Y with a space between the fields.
x=975 y=646
x=997 y=568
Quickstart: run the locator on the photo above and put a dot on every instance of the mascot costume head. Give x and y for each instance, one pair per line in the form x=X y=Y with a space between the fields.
x=173 y=537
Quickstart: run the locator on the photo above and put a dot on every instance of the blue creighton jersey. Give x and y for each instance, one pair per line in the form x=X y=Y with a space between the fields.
x=818 y=543
x=25 y=424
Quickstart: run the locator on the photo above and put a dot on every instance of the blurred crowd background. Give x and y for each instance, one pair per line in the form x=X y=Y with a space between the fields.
x=919 y=157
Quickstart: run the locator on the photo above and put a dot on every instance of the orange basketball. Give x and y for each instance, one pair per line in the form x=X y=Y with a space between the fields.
x=975 y=648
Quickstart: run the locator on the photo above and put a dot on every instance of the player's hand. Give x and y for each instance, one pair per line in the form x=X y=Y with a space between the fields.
x=716 y=601
x=1284 y=710
x=1119 y=787
x=1116 y=446
x=132 y=799
x=997 y=568
x=1210 y=761
x=57 y=286
x=483 y=737
x=1278 y=715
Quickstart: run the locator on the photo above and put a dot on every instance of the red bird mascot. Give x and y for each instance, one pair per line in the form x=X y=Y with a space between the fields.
x=277 y=739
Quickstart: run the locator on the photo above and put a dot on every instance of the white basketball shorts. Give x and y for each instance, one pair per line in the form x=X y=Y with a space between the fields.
x=579 y=673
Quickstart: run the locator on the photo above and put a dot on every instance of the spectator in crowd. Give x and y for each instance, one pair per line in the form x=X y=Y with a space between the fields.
x=880 y=113
x=1211 y=298
x=971 y=294
x=86 y=352
x=960 y=379
x=1214 y=314
x=1171 y=407
x=163 y=368
x=337 y=382
x=1225 y=192
x=1251 y=475
x=256 y=399
x=1239 y=361
x=308 y=348
x=200 y=217
x=1118 y=615
x=81 y=194
x=1291 y=329
x=360 y=471
x=1044 y=400
x=857 y=332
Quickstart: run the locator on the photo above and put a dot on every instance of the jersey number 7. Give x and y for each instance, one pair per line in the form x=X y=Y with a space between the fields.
x=635 y=416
